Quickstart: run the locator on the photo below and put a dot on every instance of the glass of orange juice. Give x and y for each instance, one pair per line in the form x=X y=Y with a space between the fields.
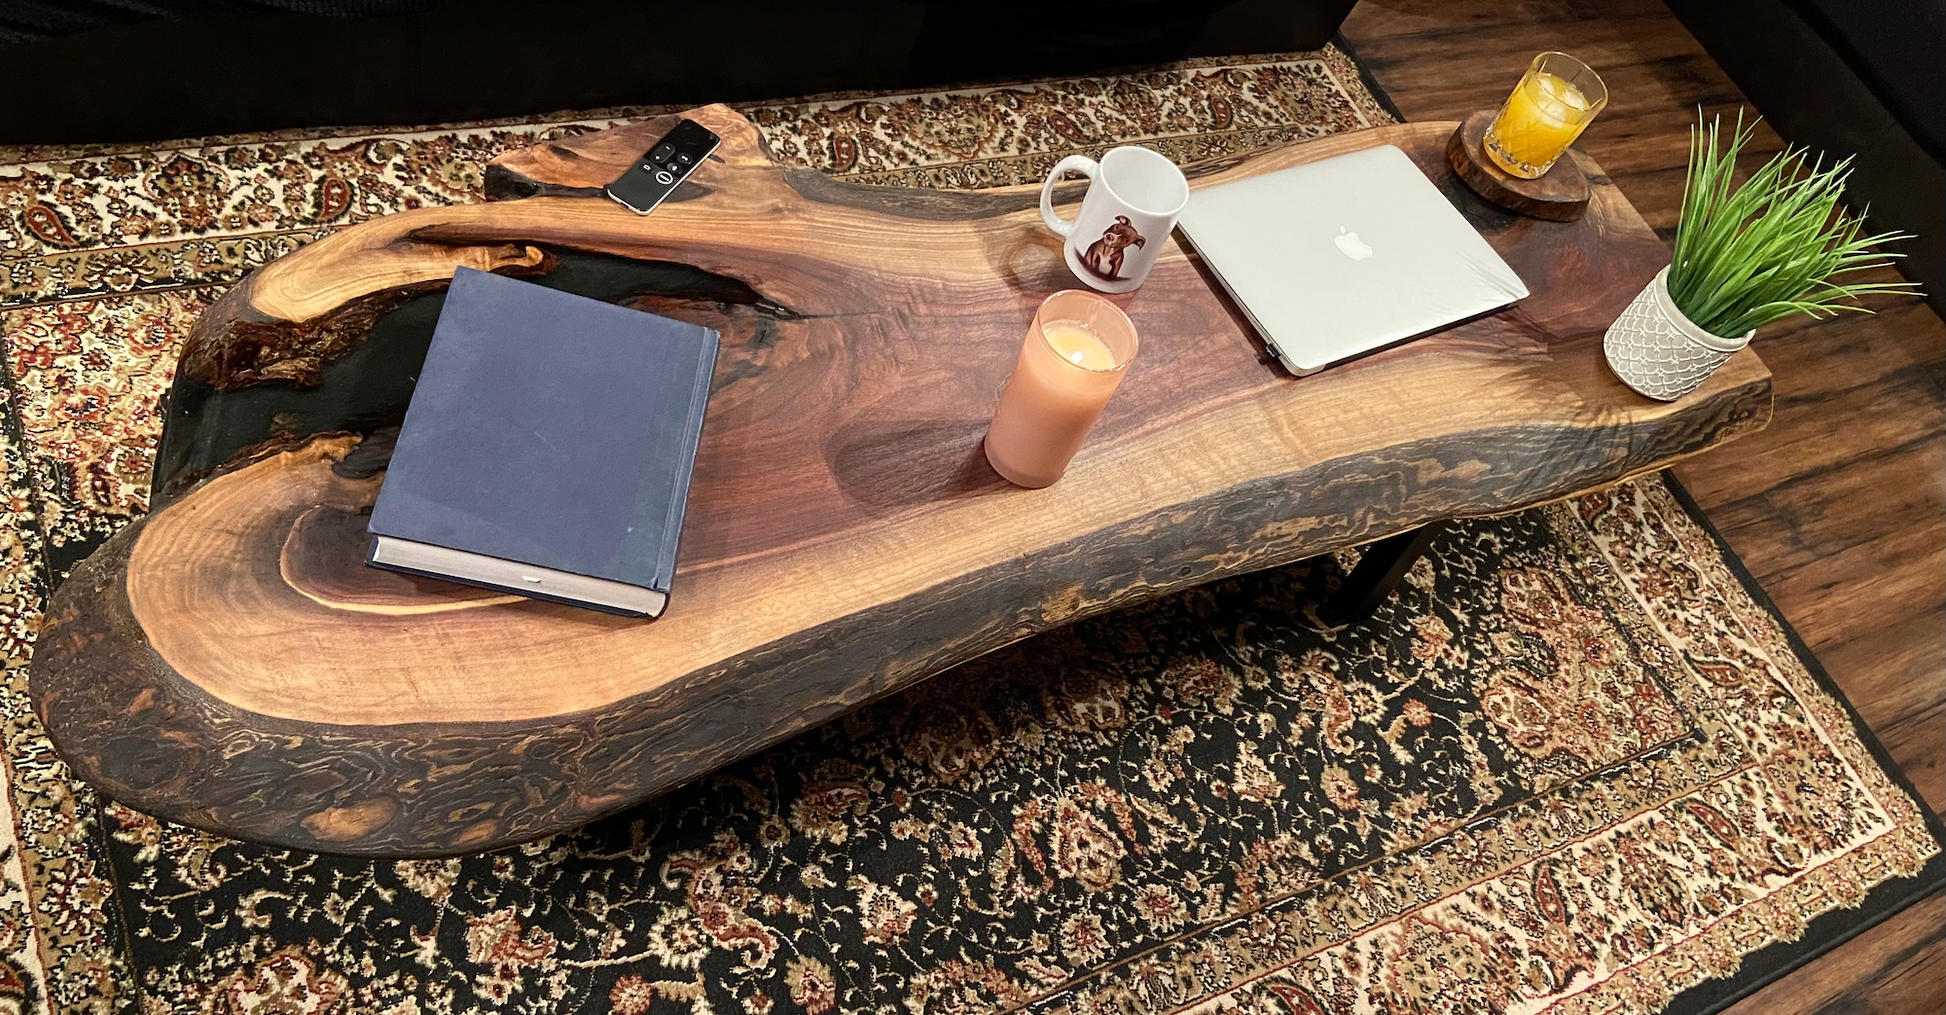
x=1551 y=106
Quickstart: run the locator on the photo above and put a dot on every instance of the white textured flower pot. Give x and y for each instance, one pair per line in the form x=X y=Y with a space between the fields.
x=1654 y=349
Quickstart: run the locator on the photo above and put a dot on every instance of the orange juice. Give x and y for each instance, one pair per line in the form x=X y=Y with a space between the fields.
x=1544 y=115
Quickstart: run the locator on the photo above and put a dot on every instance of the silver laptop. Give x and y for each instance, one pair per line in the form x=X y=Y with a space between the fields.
x=1344 y=257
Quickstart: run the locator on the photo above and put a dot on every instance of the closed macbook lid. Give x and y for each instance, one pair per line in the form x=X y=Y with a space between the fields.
x=1339 y=258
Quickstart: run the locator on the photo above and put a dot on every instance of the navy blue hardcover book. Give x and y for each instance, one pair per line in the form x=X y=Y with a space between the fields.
x=548 y=447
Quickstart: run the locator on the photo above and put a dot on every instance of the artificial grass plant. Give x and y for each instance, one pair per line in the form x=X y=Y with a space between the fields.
x=1746 y=256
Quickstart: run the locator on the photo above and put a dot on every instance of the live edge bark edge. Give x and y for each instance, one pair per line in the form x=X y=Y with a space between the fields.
x=172 y=750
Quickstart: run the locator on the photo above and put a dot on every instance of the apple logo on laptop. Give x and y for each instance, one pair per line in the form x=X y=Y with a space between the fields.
x=1351 y=245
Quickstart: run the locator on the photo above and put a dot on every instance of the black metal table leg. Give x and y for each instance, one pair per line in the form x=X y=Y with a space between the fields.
x=1378 y=572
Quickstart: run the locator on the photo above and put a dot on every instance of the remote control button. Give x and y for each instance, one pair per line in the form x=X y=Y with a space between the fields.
x=684 y=158
x=663 y=176
x=661 y=152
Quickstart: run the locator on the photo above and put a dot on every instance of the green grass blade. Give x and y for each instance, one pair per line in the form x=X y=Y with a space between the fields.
x=1748 y=255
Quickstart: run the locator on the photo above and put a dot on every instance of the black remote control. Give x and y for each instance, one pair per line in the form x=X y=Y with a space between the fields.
x=666 y=163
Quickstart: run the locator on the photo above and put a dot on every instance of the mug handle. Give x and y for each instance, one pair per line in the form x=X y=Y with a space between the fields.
x=1072 y=164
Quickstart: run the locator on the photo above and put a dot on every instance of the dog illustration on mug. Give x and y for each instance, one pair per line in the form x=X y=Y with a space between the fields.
x=1104 y=256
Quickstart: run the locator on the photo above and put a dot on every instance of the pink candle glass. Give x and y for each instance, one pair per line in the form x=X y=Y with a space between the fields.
x=1076 y=352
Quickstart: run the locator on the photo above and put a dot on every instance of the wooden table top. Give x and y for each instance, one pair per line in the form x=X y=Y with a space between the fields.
x=228 y=662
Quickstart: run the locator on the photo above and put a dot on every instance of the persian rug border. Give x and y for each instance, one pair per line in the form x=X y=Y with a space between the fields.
x=1885 y=900
x=1365 y=76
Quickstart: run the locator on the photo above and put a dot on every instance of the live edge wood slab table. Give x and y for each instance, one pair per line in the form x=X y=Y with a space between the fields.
x=229 y=662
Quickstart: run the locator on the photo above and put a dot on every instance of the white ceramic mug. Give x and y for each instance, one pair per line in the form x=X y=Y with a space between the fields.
x=1134 y=196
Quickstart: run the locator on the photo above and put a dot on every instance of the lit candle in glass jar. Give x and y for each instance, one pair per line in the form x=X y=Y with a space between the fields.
x=1076 y=352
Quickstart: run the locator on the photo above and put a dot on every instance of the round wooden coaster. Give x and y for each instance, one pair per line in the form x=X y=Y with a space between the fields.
x=1560 y=195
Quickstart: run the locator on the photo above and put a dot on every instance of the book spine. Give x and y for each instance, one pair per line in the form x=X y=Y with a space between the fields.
x=665 y=567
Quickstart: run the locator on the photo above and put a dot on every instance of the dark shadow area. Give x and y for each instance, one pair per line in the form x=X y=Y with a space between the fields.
x=886 y=465
x=134 y=70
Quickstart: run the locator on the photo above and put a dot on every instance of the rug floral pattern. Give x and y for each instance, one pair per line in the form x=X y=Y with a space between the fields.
x=1572 y=766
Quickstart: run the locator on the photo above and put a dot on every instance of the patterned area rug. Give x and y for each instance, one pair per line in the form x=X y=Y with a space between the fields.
x=1578 y=764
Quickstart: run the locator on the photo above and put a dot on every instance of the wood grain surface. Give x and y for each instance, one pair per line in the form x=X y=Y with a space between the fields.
x=1559 y=195
x=1839 y=507
x=227 y=661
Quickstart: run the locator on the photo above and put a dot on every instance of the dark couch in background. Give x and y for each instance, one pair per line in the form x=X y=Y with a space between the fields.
x=130 y=70
x=1851 y=77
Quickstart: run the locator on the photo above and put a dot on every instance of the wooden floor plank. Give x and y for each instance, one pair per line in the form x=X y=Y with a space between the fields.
x=1839 y=509
x=1896 y=968
x=1815 y=440
x=1869 y=493
x=1913 y=742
